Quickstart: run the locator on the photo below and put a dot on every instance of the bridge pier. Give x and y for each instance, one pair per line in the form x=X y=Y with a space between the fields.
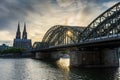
x=48 y=55
x=97 y=58
x=75 y=58
x=56 y=55
x=110 y=57
x=42 y=55
x=105 y=57
x=84 y=58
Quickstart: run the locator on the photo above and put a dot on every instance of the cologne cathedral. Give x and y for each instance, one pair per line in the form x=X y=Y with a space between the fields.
x=22 y=42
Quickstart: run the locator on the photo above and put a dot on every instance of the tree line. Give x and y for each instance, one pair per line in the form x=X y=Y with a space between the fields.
x=12 y=50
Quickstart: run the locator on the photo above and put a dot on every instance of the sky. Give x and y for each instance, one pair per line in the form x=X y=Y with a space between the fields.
x=40 y=15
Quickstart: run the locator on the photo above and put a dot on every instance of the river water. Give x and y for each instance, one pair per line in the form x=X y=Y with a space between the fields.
x=30 y=69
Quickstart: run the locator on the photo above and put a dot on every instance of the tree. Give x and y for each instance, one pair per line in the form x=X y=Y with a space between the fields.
x=12 y=51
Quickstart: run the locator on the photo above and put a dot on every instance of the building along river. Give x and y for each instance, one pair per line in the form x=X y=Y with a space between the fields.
x=30 y=69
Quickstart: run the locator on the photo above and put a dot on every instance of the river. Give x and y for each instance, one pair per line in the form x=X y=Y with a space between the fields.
x=30 y=69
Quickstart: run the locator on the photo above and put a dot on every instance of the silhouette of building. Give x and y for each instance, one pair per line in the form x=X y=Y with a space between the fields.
x=4 y=47
x=22 y=42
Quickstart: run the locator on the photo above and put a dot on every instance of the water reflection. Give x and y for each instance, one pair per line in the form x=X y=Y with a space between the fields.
x=64 y=64
x=96 y=73
x=87 y=73
x=29 y=69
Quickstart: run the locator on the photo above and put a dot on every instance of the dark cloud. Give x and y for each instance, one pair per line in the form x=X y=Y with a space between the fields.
x=89 y=6
x=15 y=10
x=103 y=1
x=95 y=1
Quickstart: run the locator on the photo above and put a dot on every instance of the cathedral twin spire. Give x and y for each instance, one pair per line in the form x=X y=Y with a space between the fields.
x=18 y=33
x=24 y=36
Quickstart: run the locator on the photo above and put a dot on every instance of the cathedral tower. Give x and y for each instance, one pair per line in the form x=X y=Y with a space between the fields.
x=23 y=42
x=18 y=33
x=24 y=35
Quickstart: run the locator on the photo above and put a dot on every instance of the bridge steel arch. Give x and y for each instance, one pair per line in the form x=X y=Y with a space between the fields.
x=107 y=24
x=62 y=35
x=37 y=45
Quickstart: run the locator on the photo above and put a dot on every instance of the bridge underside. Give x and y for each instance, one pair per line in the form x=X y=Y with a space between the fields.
x=104 y=57
x=96 y=58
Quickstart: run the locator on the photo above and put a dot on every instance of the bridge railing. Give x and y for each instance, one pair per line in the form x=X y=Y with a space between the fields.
x=109 y=37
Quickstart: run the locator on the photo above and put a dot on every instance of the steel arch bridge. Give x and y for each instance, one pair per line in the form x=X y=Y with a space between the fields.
x=105 y=26
x=62 y=35
x=38 y=45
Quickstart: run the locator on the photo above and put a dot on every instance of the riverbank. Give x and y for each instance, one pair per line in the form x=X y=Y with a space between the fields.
x=23 y=55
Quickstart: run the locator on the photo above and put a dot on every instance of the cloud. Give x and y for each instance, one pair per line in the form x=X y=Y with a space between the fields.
x=65 y=3
x=12 y=10
x=110 y=3
x=5 y=40
x=87 y=11
x=4 y=33
x=84 y=12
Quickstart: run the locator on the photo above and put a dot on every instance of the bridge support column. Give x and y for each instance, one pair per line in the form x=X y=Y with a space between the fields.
x=42 y=55
x=55 y=55
x=110 y=57
x=38 y=55
x=75 y=58
x=84 y=58
x=97 y=58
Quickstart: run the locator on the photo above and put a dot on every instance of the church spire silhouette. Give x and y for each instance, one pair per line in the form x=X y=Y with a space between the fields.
x=24 y=36
x=18 y=33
